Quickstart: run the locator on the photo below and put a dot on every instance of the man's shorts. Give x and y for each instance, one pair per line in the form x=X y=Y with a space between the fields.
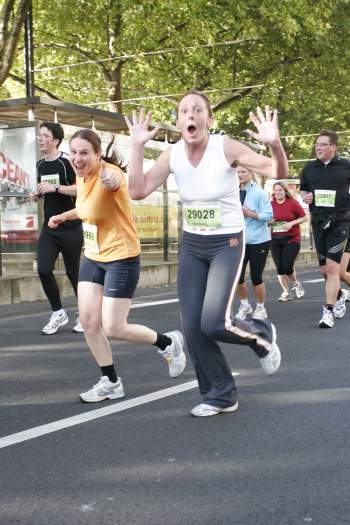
x=330 y=243
x=118 y=278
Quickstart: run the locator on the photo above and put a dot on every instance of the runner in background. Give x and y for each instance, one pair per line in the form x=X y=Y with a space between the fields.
x=288 y=214
x=257 y=212
x=56 y=184
x=110 y=267
x=324 y=186
x=213 y=243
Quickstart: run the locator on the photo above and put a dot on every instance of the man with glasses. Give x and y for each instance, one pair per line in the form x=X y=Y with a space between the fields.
x=56 y=184
x=324 y=185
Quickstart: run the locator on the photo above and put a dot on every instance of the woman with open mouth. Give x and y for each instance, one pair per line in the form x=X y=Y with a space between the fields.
x=213 y=242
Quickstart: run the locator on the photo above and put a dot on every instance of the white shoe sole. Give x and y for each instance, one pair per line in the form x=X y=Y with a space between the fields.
x=105 y=398
x=324 y=325
x=215 y=411
x=276 y=347
x=50 y=332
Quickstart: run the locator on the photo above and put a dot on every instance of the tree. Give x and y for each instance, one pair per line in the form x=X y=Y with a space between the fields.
x=12 y=16
x=293 y=54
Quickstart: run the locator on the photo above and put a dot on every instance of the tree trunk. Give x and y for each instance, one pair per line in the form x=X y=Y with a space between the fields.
x=113 y=83
x=12 y=16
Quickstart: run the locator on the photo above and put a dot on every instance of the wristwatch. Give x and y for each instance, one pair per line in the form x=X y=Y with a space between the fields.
x=57 y=187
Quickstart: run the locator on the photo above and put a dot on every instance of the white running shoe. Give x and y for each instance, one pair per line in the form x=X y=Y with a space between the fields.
x=285 y=296
x=346 y=293
x=298 y=290
x=327 y=319
x=339 y=309
x=77 y=327
x=204 y=410
x=104 y=389
x=271 y=363
x=243 y=311
x=259 y=313
x=56 y=320
x=174 y=353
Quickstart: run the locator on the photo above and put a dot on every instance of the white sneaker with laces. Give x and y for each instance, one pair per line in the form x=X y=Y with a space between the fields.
x=204 y=410
x=174 y=354
x=298 y=290
x=77 y=327
x=243 y=311
x=56 y=320
x=285 y=296
x=339 y=309
x=271 y=363
x=346 y=293
x=104 y=389
x=327 y=319
x=259 y=313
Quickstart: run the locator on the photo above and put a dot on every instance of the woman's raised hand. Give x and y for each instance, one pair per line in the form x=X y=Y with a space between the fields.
x=139 y=127
x=266 y=125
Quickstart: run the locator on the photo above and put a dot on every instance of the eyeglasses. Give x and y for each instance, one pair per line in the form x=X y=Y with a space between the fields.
x=322 y=144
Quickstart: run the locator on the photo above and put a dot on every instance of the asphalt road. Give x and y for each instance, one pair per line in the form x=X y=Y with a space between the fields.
x=282 y=459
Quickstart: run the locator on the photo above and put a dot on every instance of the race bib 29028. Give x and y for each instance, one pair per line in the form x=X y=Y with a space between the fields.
x=203 y=216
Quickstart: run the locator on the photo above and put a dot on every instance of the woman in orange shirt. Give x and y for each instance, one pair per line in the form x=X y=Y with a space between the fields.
x=110 y=267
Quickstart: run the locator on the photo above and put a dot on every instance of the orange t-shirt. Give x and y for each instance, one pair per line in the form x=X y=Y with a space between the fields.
x=109 y=230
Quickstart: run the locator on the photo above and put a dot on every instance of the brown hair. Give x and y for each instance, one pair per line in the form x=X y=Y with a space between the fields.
x=199 y=94
x=284 y=186
x=333 y=137
x=56 y=130
x=95 y=141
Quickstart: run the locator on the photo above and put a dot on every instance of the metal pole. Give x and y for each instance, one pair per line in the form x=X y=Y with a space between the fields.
x=165 y=222
x=0 y=247
x=28 y=52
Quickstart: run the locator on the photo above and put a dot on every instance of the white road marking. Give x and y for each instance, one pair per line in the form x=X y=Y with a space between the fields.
x=114 y=408
x=154 y=303
x=71 y=309
x=313 y=281
x=42 y=430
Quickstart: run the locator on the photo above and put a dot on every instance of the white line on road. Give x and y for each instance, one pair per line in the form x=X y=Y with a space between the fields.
x=49 y=428
x=154 y=303
x=134 y=305
x=314 y=281
x=42 y=430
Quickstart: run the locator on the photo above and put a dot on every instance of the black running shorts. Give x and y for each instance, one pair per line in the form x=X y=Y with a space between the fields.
x=330 y=243
x=118 y=278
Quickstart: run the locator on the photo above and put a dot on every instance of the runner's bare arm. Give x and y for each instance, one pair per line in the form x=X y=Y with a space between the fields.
x=56 y=220
x=142 y=184
x=267 y=132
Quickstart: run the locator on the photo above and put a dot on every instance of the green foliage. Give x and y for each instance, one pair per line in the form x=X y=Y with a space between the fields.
x=295 y=50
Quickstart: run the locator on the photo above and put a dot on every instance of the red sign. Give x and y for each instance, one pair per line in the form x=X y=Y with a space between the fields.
x=12 y=172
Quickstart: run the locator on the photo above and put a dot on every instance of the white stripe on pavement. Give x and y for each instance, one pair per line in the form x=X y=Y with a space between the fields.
x=154 y=303
x=72 y=308
x=313 y=281
x=68 y=422
x=42 y=430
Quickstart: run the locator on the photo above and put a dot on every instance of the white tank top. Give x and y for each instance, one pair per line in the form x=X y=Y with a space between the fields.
x=209 y=192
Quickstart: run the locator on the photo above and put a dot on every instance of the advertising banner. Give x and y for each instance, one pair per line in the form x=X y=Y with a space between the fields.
x=149 y=221
x=19 y=221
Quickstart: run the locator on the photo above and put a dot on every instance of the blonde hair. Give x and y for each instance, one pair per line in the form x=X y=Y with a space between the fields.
x=250 y=171
x=284 y=186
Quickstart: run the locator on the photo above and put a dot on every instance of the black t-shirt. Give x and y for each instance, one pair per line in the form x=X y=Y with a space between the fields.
x=58 y=171
x=329 y=184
